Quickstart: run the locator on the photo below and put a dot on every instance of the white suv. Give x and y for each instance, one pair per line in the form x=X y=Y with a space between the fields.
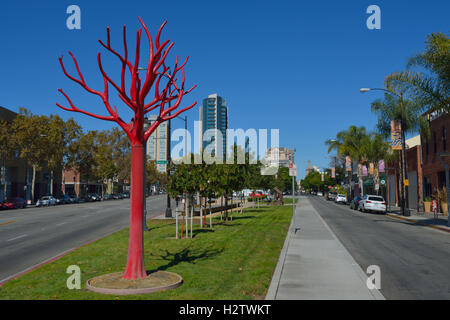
x=372 y=203
x=341 y=198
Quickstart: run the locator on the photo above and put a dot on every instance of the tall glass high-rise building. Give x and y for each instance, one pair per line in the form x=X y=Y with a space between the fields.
x=214 y=115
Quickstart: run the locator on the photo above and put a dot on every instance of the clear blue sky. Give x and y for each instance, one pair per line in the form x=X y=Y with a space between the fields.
x=292 y=65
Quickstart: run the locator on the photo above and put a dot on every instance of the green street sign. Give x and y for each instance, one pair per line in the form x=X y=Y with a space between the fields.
x=161 y=161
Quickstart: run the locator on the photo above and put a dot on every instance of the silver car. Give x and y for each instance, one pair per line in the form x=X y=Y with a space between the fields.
x=46 y=201
x=372 y=203
x=341 y=198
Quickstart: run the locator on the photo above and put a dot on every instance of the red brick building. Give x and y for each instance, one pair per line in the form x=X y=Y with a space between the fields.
x=432 y=167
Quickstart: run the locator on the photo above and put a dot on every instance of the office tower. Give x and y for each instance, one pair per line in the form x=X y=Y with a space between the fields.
x=214 y=115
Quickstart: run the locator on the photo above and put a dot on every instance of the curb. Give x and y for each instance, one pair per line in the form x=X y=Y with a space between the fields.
x=418 y=222
x=275 y=282
x=130 y=291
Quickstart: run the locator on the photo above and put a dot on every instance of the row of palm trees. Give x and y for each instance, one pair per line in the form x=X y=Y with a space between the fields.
x=364 y=148
x=423 y=88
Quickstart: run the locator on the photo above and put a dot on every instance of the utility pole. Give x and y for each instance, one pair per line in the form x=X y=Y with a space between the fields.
x=405 y=200
x=146 y=126
x=168 y=209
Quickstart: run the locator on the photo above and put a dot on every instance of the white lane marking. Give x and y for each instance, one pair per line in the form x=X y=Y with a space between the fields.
x=60 y=224
x=36 y=265
x=24 y=235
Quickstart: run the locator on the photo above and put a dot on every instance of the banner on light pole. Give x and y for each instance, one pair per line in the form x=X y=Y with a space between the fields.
x=396 y=135
x=348 y=164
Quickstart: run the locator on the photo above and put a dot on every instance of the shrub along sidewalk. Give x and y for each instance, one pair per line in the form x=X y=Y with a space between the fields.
x=234 y=260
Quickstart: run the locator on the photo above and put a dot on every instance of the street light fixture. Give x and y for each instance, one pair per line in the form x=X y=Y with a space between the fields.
x=405 y=200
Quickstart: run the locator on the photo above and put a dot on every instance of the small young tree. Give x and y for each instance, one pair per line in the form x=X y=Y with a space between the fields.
x=157 y=74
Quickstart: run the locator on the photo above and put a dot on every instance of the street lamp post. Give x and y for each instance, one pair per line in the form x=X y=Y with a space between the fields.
x=168 y=209
x=403 y=162
x=146 y=126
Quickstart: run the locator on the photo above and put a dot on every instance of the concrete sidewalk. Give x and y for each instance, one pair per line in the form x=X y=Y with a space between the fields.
x=314 y=265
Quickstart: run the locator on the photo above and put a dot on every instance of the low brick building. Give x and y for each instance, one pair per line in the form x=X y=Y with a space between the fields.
x=432 y=167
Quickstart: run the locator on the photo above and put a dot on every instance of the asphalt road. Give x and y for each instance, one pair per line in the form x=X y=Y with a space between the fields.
x=33 y=235
x=414 y=260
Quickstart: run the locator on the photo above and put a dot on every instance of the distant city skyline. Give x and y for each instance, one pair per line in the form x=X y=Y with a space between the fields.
x=288 y=65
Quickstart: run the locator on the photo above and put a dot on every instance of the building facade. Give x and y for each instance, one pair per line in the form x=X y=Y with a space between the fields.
x=214 y=115
x=283 y=156
x=16 y=175
x=425 y=166
x=157 y=144
x=432 y=164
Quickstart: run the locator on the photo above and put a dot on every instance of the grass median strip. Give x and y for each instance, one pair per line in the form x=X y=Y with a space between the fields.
x=234 y=260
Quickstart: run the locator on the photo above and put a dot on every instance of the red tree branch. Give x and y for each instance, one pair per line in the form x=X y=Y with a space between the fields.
x=139 y=90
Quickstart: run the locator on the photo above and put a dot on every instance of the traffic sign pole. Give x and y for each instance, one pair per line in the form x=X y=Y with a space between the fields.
x=293 y=173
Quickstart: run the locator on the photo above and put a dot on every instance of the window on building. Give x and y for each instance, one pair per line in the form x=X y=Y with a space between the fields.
x=444 y=139
x=435 y=142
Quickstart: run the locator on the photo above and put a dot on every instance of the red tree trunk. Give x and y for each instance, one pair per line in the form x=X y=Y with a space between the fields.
x=135 y=263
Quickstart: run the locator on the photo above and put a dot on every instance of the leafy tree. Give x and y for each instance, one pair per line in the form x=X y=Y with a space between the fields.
x=82 y=156
x=31 y=135
x=312 y=182
x=8 y=148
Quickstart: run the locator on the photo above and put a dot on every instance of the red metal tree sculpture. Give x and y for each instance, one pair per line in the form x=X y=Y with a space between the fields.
x=157 y=74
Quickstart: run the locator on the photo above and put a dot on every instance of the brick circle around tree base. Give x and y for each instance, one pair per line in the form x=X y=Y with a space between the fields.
x=113 y=283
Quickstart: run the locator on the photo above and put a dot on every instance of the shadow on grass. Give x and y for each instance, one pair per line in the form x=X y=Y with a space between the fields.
x=226 y=223
x=244 y=217
x=200 y=231
x=162 y=225
x=185 y=255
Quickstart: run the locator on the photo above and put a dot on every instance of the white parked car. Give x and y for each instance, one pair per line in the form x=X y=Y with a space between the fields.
x=372 y=203
x=320 y=194
x=341 y=198
x=46 y=201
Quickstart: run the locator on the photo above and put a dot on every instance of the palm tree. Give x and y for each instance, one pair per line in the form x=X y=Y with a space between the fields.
x=376 y=148
x=396 y=108
x=432 y=87
x=351 y=142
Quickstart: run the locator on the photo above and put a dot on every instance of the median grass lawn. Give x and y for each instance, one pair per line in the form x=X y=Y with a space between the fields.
x=289 y=200
x=234 y=260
